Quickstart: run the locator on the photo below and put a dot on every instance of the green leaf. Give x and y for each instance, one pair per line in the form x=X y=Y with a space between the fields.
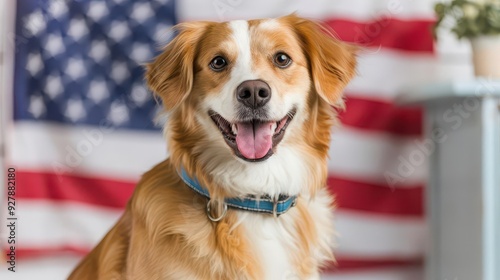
x=440 y=9
x=487 y=20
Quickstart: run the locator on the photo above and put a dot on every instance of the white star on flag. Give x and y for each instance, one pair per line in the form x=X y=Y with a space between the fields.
x=75 y=110
x=98 y=91
x=77 y=29
x=119 y=72
x=76 y=68
x=118 y=113
x=99 y=50
x=140 y=95
x=34 y=64
x=36 y=106
x=53 y=86
x=54 y=45
x=118 y=31
x=142 y=11
x=97 y=10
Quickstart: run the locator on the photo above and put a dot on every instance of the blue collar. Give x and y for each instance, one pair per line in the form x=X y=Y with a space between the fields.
x=264 y=204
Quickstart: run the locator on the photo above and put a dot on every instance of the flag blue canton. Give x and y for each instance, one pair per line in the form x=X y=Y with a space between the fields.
x=82 y=62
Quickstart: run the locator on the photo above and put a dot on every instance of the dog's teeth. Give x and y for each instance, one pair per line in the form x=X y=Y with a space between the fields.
x=234 y=128
x=274 y=126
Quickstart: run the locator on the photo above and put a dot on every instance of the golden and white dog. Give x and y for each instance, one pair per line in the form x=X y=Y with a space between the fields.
x=250 y=113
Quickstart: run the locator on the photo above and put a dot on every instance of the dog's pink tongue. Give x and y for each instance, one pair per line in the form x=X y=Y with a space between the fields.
x=254 y=139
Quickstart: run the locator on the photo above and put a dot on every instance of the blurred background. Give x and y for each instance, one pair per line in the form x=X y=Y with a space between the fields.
x=78 y=122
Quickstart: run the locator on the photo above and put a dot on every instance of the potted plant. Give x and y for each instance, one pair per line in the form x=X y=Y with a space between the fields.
x=479 y=21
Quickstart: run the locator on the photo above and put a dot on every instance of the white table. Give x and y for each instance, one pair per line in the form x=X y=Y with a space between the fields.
x=462 y=121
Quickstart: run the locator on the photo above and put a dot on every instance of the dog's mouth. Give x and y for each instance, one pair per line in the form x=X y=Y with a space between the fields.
x=253 y=140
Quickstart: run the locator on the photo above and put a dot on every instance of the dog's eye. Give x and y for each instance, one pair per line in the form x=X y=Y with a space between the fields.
x=218 y=63
x=282 y=60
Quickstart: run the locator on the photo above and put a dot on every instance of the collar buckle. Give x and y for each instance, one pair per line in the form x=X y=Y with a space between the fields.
x=209 y=212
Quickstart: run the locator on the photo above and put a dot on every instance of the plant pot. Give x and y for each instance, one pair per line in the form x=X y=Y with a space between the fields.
x=486 y=55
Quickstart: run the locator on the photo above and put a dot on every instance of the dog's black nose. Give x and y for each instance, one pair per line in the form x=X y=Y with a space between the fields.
x=253 y=93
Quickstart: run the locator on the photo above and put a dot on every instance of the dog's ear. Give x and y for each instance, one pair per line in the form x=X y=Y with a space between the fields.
x=170 y=75
x=332 y=62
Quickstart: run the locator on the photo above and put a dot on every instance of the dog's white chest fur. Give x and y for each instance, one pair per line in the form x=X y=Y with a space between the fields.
x=272 y=244
x=274 y=239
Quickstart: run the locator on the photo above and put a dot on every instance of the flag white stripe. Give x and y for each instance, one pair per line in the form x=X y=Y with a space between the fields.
x=122 y=154
x=45 y=224
x=385 y=73
x=361 y=10
x=375 y=236
x=370 y=156
x=364 y=155
x=47 y=268
x=50 y=224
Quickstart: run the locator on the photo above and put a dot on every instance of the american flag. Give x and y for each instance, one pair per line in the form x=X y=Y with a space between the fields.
x=81 y=129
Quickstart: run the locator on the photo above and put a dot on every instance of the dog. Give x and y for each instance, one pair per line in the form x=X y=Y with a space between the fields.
x=242 y=195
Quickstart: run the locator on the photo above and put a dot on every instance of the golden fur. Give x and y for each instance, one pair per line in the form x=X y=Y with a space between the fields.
x=164 y=232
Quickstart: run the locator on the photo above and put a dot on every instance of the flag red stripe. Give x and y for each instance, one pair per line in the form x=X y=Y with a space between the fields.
x=374 y=198
x=346 y=264
x=408 y=35
x=111 y=193
x=382 y=116
x=98 y=191
x=27 y=253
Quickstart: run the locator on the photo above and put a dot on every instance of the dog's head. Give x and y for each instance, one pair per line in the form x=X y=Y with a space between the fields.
x=250 y=95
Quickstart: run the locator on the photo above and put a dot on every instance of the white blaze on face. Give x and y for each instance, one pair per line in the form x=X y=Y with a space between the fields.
x=242 y=69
